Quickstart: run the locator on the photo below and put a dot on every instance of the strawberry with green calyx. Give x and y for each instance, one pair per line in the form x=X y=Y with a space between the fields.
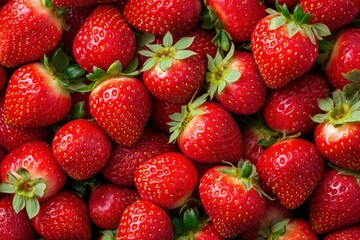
x=285 y=46
x=336 y=135
x=206 y=132
x=352 y=232
x=292 y=229
x=235 y=81
x=172 y=73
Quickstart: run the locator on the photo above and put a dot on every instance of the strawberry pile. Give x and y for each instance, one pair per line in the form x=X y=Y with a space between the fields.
x=204 y=120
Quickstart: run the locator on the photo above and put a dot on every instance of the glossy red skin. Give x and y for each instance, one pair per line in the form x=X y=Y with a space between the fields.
x=104 y=38
x=124 y=161
x=291 y=169
x=344 y=57
x=3 y=78
x=144 y=220
x=335 y=202
x=81 y=148
x=339 y=145
x=327 y=12
x=298 y=229
x=14 y=226
x=289 y=109
x=247 y=95
x=238 y=17
x=37 y=158
x=35 y=98
x=79 y=3
x=108 y=202
x=251 y=136
x=294 y=57
x=167 y=180
x=203 y=44
x=64 y=216
x=161 y=111
x=231 y=208
x=158 y=17
x=24 y=39
x=208 y=232
x=212 y=137
x=129 y=104
x=352 y=232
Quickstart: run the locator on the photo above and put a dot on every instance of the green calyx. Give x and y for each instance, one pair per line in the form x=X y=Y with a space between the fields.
x=109 y=234
x=219 y=74
x=279 y=228
x=25 y=190
x=298 y=21
x=164 y=54
x=354 y=86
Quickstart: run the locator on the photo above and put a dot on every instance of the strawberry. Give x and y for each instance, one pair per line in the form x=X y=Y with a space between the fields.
x=108 y=202
x=335 y=202
x=81 y=148
x=79 y=3
x=172 y=73
x=161 y=111
x=289 y=109
x=202 y=44
x=15 y=226
x=285 y=46
x=158 y=17
x=232 y=199
x=103 y=39
x=3 y=78
x=144 y=220
x=291 y=168
x=32 y=174
x=167 y=180
x=327 y=11
x=64 y=216
x=352 y=232
x=29 y=29
x=292 y=229
x=206 y=132
x=124 y=161
x=235 y=82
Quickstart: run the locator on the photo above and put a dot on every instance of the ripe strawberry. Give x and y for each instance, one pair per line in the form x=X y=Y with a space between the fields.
x=291 y=168
x=202 y=44
x=32 y=174
x=289 y=109
x=352 y=232
x=3 y=78
x=292 y=229
x=103 y=39
x=158 y=17
x=231 y=198
x=335 y=202
x=14 y=226
x=124 y=161
x=144 y=220
x=327 y=11
x=29 y=29
x=206 y=132
x=285 y=46
x=108 y=202
x=235 y=82
x=167 y=180
x=64 y=216
x=161 y=111
x=79 y=3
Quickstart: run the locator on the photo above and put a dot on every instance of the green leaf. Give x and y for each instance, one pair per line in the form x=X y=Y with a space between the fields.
x=32 y=207
x=230 y=54
x=191 y=219
x=154 y=47
x=354 y=117
x=225 y=40
x=165 y=64
x=60 y=60
x=277 y=22
x=199 y=101
x=210 y=62
x=339 y=98
x=146 y=53
x=305 y=19
x=174 y=135
x=7 y=188
x=146 y=38
x=326 y=104
x=232 y=76
x=271 y=11
x=168 y=40
x=183 y=54
x=18 y=203
x=97 y=74
x=319 y=118
x=87 y=88
x=115 y=68
x=184 y=43
x=25 y=175
x=40 y=189
x=73 y=71
x=321 y=29
x=132 y=67
x=298 y=13
x=149 y=63
x=11 y=178
x=292 y=29
x=221 y=87
x=310 y=33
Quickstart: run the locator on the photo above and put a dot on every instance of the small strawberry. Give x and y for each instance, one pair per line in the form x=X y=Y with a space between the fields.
x=292 y=229
x=3 y=78
x=144 y=220
x=64 y=216
x=285 y=46
x=291 y=168
x=352 y=232
x=158 y=17
x=103 y=39
x=79 y=3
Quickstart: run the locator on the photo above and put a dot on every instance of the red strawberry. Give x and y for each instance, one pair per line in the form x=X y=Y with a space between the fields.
x=14 y=226
x=124 y=161
x=206 y=132
x=158 y=17
x=103 y=39
x=81 y=148
x=167 y=180
x=289 y=109
x=231 y=198
x=3 y=78
x=291 y=169
x=144 y=220
x=207 y=232
x=79 y=3
x=235 y=82
x=108 y=202
x=292 y=229
x=29 y=30
x=352 y=232
x=32 y=174
x=335 y=202
x=285 y=46
x=202 y=44
x=64 y=216
x=161 y=111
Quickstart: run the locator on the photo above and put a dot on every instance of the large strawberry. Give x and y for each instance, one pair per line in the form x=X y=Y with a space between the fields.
x=103 y=39
x=352 y=232
x=292 y=229
x=159 y=17
x=285 y=46
x=29 y=30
